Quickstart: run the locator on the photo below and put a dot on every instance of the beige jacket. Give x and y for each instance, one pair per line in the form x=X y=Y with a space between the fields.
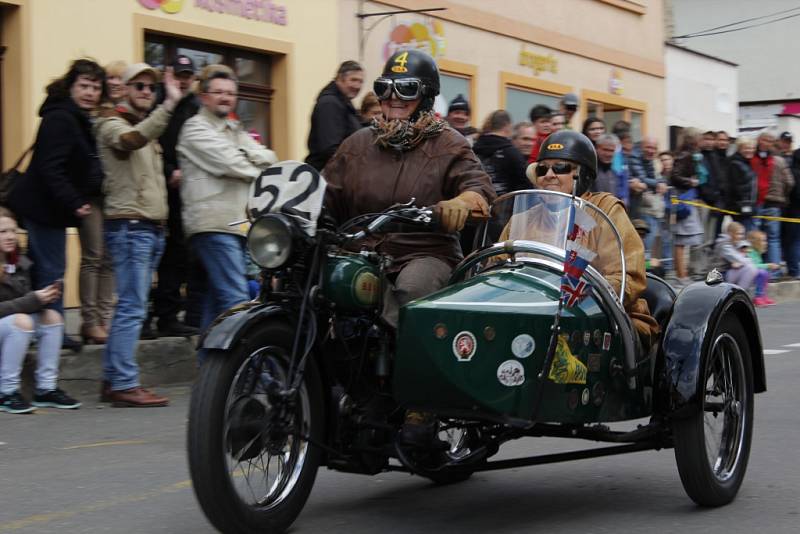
x=218 y=160
x=134 y=185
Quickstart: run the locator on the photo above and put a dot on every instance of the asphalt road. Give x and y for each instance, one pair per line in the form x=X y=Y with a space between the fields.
x=123 y=470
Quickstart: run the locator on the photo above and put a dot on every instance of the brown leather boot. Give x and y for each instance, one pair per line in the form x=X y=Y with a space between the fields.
x=94 y=335
x=136 y=398
x=105 y=391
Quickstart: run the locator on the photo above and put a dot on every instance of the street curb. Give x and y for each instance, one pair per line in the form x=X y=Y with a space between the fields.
x=784 y=291
x=162 y=361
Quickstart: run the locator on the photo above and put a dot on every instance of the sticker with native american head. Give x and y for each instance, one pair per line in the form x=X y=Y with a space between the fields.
x=464 y=346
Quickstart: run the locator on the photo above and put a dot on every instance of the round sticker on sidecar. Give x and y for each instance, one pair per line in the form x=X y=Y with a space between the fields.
x=289 y=187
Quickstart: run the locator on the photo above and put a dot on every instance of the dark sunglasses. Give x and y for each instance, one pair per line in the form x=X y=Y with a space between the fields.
x=139 y=86
x=562 y=167
x=404 y=88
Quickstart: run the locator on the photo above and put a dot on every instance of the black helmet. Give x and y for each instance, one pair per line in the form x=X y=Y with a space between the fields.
x=410 y=64
x=572 y=146
x=414 y=64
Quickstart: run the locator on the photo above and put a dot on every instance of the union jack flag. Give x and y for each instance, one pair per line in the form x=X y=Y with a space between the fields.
x=571 y=294
x=577 y=258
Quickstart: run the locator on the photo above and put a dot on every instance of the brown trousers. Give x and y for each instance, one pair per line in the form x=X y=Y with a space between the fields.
x=418 y=278
x=97 y=271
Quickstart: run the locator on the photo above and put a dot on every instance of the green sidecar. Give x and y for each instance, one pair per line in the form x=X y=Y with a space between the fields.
x=529 y=338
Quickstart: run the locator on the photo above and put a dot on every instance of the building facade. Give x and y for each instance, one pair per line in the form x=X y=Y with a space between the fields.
x=283 y=51
x=702 y=91
x=608 y=52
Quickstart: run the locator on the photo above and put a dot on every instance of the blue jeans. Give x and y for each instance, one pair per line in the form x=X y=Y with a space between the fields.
x=47 y=248
x=223 y=256
x=773 y=231
x=791 y=240
x=135 y=248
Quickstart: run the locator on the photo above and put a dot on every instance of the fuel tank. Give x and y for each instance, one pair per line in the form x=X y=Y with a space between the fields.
x=475 y=350
x=351 y=282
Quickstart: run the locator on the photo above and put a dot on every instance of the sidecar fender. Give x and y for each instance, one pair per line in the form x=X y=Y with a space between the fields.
x=229 y=327
x=688 y=338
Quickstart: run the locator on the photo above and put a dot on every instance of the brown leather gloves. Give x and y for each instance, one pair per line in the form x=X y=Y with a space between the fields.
x=453 y=213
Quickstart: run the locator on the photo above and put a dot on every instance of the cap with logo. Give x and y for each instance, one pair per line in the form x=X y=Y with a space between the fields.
x=183 y=64
x=786 y=136
x=137 y=69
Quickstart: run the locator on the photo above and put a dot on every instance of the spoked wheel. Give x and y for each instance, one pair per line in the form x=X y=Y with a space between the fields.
x=712 y=446
x=251 y=467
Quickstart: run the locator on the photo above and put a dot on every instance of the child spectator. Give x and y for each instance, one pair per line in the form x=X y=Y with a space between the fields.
x=758 y=247
x=23 y=315
x=737 y=266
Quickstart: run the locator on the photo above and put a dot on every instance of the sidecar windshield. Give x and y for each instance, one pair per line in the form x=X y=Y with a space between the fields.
x=542 y=219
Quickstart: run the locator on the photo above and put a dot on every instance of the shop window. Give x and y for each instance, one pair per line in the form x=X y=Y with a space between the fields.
x=252 y=69
x=452 y=86
x=519 y=103
x=613 y=108
x=456 y=78
x=518 y=94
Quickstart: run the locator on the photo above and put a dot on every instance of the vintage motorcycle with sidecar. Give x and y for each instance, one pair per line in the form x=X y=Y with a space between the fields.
x=307 y=374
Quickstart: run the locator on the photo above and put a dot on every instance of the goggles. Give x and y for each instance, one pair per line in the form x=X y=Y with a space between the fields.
x=404 y=88
x=562 y=167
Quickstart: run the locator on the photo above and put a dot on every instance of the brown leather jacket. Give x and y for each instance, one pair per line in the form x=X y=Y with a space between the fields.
x=365 y=178
x=608 y=261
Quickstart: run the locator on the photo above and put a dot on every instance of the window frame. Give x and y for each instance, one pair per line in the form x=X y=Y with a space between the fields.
x=530 y=84
x=627 y=105
x=468 y=72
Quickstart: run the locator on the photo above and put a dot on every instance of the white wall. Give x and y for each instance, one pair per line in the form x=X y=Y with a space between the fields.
x=766 y=55
x=701 y=92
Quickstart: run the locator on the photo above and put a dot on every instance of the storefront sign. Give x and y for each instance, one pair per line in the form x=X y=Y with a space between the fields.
x=538 y=63
x=615 y=85
x=261 y=10
x=428 y=37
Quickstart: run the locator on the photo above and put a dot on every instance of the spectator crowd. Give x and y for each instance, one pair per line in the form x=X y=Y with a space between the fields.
x=152 y=166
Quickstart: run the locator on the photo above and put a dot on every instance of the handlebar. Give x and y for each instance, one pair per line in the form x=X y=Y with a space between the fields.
x=422 y=217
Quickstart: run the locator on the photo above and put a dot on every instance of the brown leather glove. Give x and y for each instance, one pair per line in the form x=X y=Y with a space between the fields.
x=453 y=213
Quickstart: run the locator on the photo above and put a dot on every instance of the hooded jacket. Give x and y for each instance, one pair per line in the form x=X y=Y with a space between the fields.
x=65 y=170
x=333 y=120
x=503 y=162
x=741 y=183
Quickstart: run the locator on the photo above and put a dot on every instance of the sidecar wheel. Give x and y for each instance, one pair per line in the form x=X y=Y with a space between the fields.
x=250 y=469
x=712 y=446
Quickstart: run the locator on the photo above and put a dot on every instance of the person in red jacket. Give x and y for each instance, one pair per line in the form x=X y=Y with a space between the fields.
x=540 y=117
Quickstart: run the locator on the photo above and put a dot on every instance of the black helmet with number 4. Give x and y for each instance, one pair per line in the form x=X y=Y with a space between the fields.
x=410 y=75
x=576 y=147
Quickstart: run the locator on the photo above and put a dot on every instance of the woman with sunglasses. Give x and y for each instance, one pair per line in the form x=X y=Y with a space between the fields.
x=567 y=156
x=410 y=154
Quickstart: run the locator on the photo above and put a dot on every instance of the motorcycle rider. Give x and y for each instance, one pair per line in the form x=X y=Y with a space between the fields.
x=410 y=153
x=577 y=151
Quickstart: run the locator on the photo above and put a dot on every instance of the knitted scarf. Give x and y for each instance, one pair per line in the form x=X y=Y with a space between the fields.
x=405 y=135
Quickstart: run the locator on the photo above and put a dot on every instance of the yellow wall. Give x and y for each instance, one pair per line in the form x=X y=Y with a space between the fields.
x=62 y=30
x=44 y=36
x=588 y=38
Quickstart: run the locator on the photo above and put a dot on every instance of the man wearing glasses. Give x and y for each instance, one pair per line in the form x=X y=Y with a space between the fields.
x=135 y=209
x=218 y=159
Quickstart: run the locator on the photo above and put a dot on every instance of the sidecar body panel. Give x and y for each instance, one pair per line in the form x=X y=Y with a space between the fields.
x=687 y=341
x=476 y=348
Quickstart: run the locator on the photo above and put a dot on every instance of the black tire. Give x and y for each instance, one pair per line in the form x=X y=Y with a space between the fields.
x=711 y=471
x=224 y=421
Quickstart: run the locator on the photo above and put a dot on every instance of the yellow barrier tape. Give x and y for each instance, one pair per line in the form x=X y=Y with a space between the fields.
x=729 y=212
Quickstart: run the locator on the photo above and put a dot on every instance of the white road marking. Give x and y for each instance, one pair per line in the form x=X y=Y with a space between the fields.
x=793 y=345
x=774 y=351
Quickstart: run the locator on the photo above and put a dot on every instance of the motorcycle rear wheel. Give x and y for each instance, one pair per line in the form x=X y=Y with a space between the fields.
x=252 y=471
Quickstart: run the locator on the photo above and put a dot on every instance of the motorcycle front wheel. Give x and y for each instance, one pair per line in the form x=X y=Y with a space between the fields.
x=251 y=463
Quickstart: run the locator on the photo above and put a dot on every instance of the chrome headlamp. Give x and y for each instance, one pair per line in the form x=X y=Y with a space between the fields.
x=270 y=240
